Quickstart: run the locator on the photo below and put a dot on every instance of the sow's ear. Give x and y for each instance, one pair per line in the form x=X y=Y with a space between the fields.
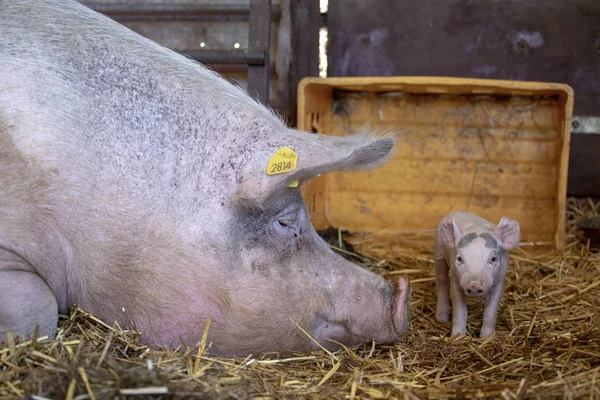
x=317 y=154
x=451 y=233
x=509 y=233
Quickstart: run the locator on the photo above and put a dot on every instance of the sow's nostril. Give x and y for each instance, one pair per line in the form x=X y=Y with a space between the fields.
x=401 y=314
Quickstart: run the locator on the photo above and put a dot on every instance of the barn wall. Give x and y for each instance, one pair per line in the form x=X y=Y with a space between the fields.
x=536 y=40
x=202 y=33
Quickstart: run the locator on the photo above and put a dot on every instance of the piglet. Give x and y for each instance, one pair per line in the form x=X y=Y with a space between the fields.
x=471 y=259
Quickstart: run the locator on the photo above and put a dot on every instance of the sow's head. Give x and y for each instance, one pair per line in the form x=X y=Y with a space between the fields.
x=284 y=276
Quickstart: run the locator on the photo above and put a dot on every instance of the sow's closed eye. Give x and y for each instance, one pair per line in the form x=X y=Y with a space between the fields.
x=288 y=223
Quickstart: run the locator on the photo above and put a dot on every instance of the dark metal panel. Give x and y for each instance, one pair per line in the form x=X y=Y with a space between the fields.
x=584 y=165
x=258 y=40
x=536 y=40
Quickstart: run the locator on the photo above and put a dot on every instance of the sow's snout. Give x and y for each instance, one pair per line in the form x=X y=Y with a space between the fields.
x=401 y=314
x=398 y=296
x=378 y=310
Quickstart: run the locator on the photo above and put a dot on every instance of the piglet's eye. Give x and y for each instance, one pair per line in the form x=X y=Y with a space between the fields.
x=493 y=259
x=459 y=259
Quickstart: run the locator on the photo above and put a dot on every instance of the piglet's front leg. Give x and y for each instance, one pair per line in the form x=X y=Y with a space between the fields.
x=490 y=312
x=459 y=308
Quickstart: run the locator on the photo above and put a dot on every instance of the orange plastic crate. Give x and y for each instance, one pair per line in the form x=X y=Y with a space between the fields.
x=496 y=148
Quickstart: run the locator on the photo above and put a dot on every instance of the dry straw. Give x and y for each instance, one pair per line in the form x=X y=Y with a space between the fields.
x=547 y=345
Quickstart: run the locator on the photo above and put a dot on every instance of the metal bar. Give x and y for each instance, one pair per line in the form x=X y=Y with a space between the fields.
x=305 y=44
x=259 y=37
x=210 y=12
x=589 y=125
x=323 y=19
x=226 y=56
x=235 y=69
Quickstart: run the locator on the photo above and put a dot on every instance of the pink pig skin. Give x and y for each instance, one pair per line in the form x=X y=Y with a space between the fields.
x=133 y=184
x=471 y=259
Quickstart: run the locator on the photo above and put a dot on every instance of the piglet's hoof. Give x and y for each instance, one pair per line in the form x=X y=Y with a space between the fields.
x=443 y=316
x=458 y=335
x=486 y=333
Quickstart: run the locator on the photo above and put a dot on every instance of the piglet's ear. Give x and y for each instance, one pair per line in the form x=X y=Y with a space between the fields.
x=451 y=233
x=508 y=232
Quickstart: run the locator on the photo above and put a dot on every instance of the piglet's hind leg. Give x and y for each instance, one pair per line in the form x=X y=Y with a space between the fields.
x=25 y=300
x=442 y=312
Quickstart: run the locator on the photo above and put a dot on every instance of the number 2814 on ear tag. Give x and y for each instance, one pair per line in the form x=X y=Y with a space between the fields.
x=283 y=161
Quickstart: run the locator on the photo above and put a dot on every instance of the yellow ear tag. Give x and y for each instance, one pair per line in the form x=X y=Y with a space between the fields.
x=283 y=161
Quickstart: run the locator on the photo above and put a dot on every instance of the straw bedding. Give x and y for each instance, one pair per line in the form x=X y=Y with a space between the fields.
x=547 y=344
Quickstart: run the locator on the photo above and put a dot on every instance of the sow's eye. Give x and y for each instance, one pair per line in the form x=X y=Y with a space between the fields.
x=459 y=259
x=493 y=259
x=288 y=224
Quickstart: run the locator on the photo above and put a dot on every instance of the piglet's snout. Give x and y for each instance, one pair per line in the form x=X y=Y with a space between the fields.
x=475 y=288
